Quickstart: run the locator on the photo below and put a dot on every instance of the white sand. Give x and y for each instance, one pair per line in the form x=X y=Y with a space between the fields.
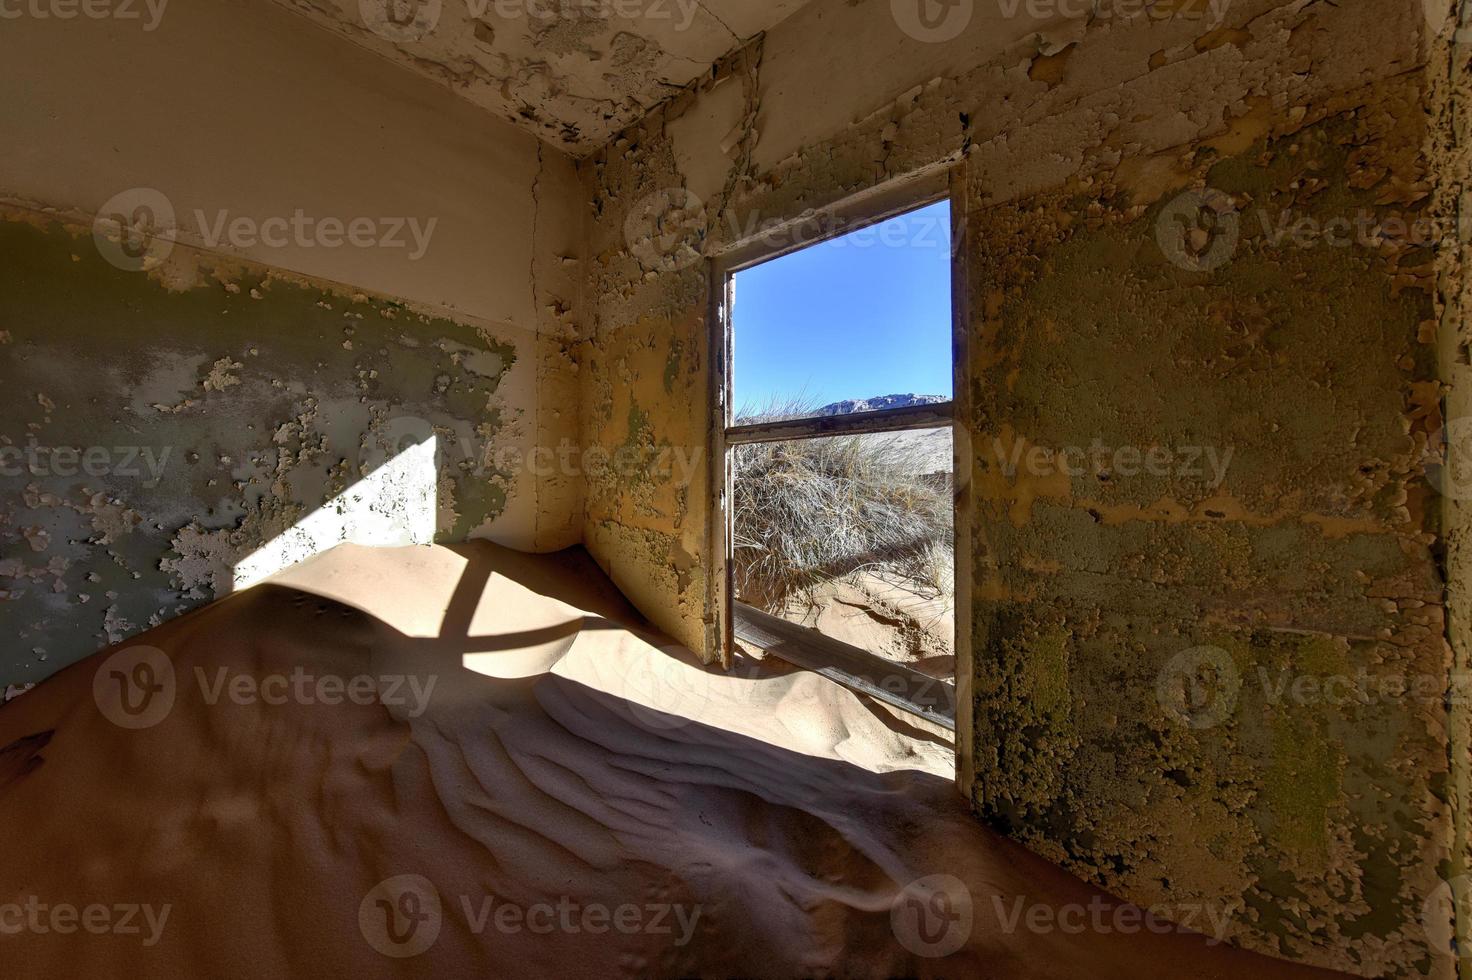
x=566 y=770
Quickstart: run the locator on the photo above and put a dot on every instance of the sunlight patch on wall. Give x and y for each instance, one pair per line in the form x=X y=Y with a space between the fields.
x=393 y=507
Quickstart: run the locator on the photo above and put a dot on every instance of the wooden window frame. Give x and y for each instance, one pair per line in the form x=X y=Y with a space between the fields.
x=729 y=620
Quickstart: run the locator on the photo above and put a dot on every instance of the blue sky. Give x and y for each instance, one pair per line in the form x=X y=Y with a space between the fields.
x=863 y=315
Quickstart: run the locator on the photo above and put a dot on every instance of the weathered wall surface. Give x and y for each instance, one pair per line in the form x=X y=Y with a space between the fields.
x=1450 y=75
x=574 y=72
x=1115 y=606
x=330 y=133
x=342 y=253
x=157 y=437
x=646 y=396
x=1222 y=675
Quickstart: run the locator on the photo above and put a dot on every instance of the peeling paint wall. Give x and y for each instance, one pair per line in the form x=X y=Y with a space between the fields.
x=354 y=261
x=156 y=438
x=574 y=72
x=1321 y=825
x=1309 y=786
x=1450 y=75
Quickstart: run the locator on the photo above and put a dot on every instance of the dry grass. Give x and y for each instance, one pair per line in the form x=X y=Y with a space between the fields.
x=812 y=511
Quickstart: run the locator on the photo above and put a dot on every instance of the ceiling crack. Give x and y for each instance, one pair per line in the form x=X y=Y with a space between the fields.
x=715 y=17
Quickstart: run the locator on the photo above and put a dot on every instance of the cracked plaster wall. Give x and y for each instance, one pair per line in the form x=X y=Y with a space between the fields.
x=574 y=72
x=1324 y=828
x=238 y=385
x=1450 y=75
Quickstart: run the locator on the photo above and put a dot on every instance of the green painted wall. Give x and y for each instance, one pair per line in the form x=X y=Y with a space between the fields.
x=208 y=419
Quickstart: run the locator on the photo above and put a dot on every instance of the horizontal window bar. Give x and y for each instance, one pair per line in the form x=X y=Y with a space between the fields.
x=858 y=423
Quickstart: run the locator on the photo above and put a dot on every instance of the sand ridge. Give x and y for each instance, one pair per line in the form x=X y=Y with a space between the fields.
x=574 y=797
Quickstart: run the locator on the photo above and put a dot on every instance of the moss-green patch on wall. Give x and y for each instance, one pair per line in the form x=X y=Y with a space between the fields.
x=1284 y=538
x=218 y=416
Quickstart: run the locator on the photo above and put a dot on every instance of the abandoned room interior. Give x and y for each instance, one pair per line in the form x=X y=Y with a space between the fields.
x=709 y=488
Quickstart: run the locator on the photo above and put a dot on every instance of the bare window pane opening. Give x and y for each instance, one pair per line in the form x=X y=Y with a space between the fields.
x=840 y=459
x=859 y=323
x=853 y=536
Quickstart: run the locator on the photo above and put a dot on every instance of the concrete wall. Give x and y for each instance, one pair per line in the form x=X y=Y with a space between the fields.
x=1220 y=681
x=348 y=259
x=1141 y=623
x=1450 y=74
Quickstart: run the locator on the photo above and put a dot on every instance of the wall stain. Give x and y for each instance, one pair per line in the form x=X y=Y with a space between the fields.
x=1323 y=827
x=221 y=413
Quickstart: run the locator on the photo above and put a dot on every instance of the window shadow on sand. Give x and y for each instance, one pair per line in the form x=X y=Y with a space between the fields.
x=628 y=812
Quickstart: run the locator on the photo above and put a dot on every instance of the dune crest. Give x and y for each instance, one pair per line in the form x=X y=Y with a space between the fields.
x=453 y=762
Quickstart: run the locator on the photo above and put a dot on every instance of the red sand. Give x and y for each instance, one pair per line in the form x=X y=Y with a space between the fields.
x=608 y=811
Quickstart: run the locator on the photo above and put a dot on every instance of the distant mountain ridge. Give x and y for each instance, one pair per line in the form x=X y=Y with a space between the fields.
x=880 y=403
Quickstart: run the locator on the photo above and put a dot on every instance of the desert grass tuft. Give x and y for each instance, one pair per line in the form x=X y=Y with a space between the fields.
x=811 y=511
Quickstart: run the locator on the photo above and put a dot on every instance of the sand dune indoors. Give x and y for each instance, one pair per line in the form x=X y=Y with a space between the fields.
x=603 y=808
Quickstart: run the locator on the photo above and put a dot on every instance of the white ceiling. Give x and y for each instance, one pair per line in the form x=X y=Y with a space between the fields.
x=574 y=72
